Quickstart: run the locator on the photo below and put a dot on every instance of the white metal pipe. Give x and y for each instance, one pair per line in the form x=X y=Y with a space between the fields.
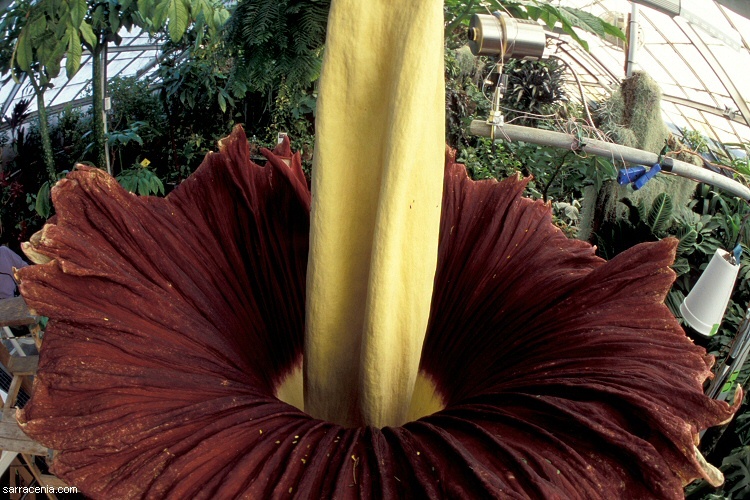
x=613 y=151
x=632 y=40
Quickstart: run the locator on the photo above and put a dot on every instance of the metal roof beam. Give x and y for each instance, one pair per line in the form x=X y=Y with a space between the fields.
x=717 y=68
x=12 y=95
x=741 y=7
x=127 y=48
x=724 y=113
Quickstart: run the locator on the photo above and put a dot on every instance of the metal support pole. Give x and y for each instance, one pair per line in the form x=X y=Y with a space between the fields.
x=632 y=40
x=105 y=107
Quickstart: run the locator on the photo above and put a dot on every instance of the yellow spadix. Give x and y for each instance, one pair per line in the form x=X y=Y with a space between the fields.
x=377 y=186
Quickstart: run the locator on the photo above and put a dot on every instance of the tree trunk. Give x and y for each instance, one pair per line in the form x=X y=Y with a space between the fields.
x=49 y=159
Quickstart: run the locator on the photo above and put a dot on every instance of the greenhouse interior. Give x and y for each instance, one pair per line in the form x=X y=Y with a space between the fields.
x=342 y=249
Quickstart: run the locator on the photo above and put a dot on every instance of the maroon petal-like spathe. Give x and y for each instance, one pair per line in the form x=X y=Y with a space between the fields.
x=561 y=352
x=174 y=320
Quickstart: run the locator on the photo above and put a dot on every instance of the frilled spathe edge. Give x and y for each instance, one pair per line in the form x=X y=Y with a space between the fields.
x=540 y=315
x=172 y=321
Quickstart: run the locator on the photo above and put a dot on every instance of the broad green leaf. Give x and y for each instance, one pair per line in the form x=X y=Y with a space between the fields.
x=178 y=19
x=681 y=266
x=585 y=21
x=143 y=188
x=125 y=5
x=43 y=203
x=199 y=7
x=55 y=58
x=78 y=10
x=568 y=23
x=146 y=8
x=660 y=215
x=88 y=35
x=160 y=13
x=199 y=33
x=220 y=17
x=73 y=60
x=157 y=187
x=37 y=26
x=44 y=50
x=24 y=53
x=687 y=242
x=613 y=30
x=128 y=181
x=114 y=21
x=537 y=13
x=222 y=103
x=97 y=17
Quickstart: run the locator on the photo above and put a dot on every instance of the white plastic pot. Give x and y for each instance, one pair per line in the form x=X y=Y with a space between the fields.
x=704 y=306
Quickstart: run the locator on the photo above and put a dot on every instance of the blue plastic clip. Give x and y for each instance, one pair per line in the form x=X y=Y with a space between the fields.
x=628 y=175
x=642 y=180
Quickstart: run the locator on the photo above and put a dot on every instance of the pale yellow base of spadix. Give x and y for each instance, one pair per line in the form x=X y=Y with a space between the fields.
x=377 y=187
x=290 y=390
x=426 y=399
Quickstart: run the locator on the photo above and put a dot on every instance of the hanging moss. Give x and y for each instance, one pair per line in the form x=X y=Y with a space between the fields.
x=642 y=112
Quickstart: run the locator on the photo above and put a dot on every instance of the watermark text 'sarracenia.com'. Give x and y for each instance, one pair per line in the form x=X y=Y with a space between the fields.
x=25 y=490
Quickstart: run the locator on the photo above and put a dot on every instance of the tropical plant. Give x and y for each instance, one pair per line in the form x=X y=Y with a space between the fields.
x=49 y=30
x=140 y=179
x=642 y=223
x=279 y=41
x=38 y=34
x=534 y=87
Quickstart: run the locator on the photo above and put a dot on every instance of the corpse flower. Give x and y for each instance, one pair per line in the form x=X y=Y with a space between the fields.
x=176 y=321
x=199 y=346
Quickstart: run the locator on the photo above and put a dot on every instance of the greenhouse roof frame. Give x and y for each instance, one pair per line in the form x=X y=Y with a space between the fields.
x=702 y=79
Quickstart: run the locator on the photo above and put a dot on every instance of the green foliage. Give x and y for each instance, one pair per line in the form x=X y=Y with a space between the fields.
x=141 y=180
x=660 y=216
x=196 y=75
x=642 y=223
x=196 y=83
x=485 y=161
x=695 y=140
x=135 y=102
x=279 y=41
x=43 y=204
x=52 y=30
x=43 y=199
x=46 y=31
x=535 y=87
x=294 y=115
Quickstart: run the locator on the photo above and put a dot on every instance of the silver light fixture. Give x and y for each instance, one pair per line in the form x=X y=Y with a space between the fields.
x=503 y=36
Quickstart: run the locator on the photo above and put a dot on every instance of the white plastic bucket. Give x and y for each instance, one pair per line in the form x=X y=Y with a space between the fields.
x=706 y=303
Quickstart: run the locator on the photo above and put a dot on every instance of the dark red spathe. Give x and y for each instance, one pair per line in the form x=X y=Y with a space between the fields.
x=173 y=320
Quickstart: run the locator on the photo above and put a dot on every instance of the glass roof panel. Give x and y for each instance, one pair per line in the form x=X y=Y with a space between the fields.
x=710 y=81
x=661 y=25
x=680 y=68
x=665 y=52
